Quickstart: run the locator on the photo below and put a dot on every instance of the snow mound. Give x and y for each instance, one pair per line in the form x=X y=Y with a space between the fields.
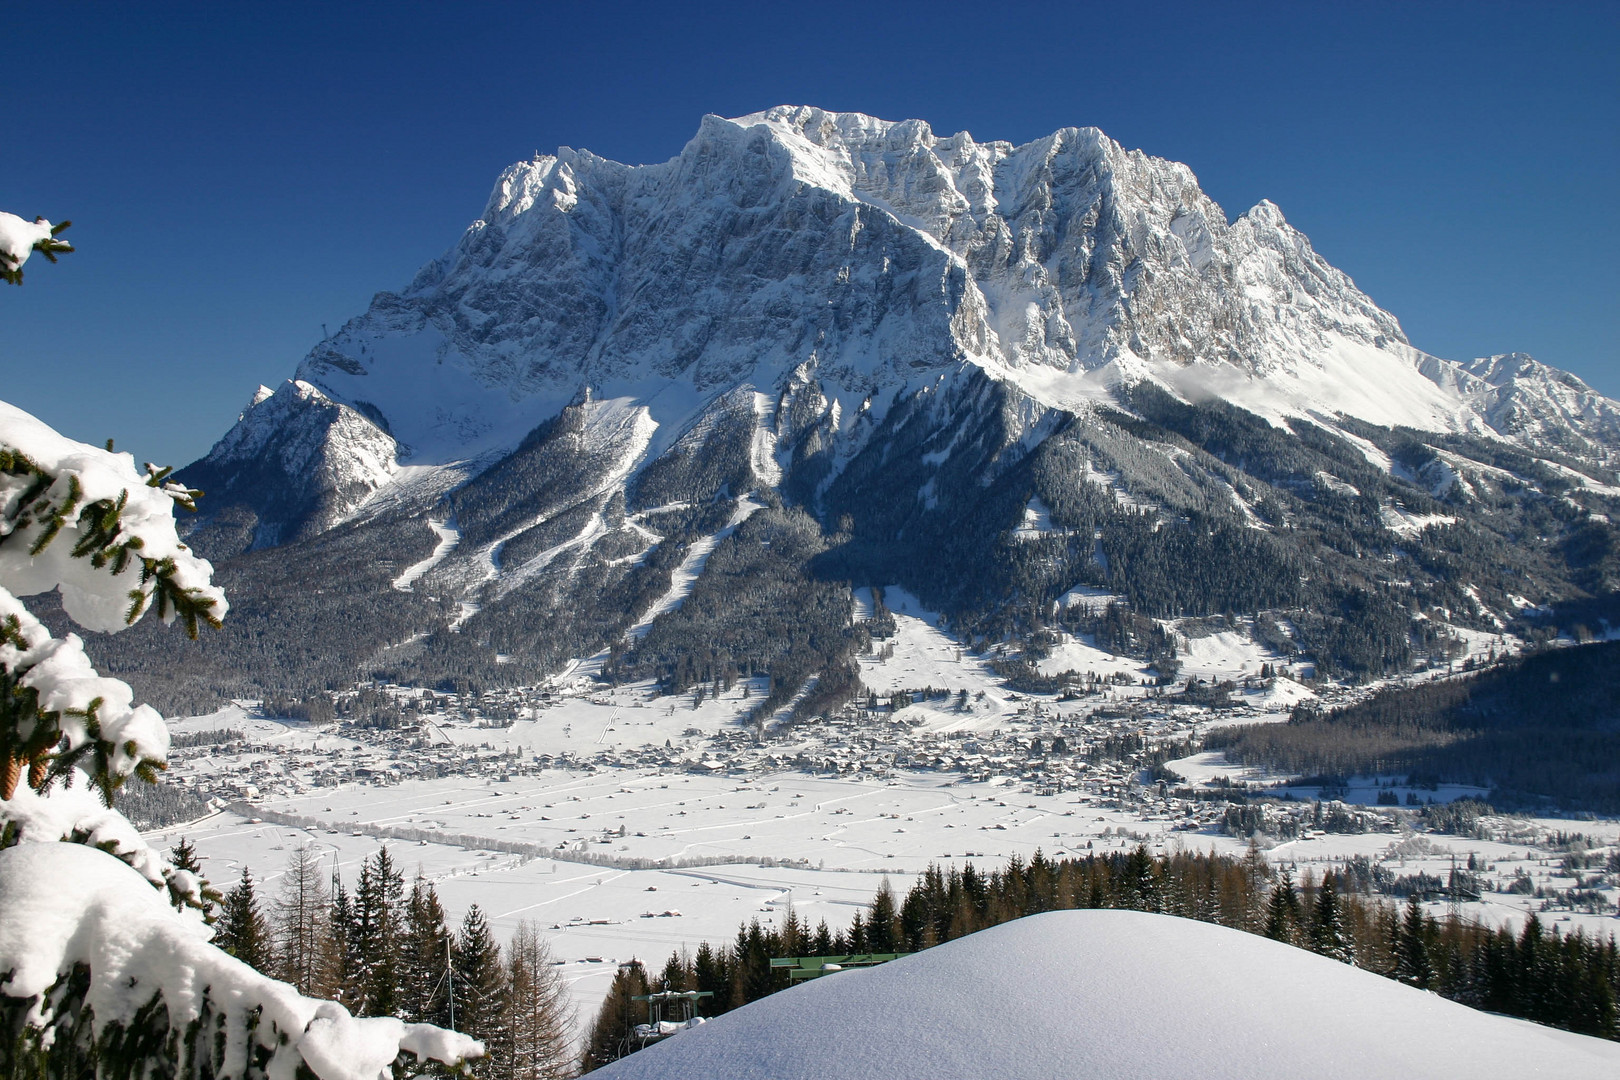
x=1111 y=995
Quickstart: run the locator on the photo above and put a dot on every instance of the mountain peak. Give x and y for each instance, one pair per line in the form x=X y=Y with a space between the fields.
x=879 y=254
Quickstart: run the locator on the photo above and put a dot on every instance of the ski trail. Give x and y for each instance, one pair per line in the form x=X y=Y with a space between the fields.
x=449 y=537
x=681 y=582
x=691 y=568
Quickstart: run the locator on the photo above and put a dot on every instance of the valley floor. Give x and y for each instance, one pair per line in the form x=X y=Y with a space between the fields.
x=625 y=824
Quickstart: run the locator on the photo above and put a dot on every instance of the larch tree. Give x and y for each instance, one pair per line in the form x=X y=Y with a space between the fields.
x=542 y=1021
x=104 y=977
x=615 y=1022
x=299 y=921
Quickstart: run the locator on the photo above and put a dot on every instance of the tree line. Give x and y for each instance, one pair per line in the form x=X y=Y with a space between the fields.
x=382 y=949
x=1569 y=981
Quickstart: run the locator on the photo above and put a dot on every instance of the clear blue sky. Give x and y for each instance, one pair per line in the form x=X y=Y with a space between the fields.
x=239 y=174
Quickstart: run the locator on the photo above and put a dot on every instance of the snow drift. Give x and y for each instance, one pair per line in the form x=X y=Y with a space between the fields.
x=1113 y=995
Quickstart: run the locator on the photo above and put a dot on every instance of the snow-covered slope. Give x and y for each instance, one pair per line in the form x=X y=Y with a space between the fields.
x=1110 y=995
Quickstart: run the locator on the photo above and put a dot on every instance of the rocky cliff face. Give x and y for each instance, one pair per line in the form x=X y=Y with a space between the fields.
x=917 y=344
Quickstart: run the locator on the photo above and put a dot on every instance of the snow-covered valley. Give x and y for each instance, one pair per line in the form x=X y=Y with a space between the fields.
x=631 y=825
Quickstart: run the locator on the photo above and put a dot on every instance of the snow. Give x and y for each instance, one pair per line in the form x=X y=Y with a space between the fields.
x=67 y=685
x=1036 y=522
x=90 y=596
x=18 y=237
x=1078 y=654
x=67 y=904
x=926 y=655
x=1112 y=995
x=449 y=536
x=1225 y=655
x=77 y=476
x=1403 y=522
x=64 y=813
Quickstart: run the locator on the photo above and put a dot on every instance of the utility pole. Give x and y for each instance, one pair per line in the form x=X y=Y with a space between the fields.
x=450 y=974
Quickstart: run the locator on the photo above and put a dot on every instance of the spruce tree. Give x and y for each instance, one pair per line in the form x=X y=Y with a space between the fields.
x=1282 y=911
x=425 y=957
x=711 y=972
x=479 y=994
x=340 y=956
x=183 y=855
x=1328 y=935
x=882 y=921
x=242 y=929
x=1413 y=964
x=1141 y=888
x=376 y=926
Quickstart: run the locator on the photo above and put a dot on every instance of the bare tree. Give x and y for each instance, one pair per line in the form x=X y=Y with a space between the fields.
x=542 y=1020
x=300 y=918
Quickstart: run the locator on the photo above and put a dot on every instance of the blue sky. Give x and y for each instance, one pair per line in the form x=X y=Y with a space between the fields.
x=239 y=174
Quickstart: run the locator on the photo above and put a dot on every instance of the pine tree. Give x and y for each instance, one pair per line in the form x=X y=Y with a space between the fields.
x=541 y=1016
x=242 y=929
x=616 y=1019
x=480 y=994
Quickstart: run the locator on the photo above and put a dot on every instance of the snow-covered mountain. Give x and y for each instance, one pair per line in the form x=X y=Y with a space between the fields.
x=897 y=333
x=875 y=257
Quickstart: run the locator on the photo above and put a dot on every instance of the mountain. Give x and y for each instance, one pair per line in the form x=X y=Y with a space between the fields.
x=838 y=349
x=1116 y=995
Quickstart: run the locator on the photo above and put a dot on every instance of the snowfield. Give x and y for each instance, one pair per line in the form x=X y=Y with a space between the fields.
x=1113 y=995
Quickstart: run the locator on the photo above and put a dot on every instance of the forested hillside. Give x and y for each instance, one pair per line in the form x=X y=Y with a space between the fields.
x=1543 y=731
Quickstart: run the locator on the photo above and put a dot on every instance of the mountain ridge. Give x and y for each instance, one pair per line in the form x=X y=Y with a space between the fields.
x=910 y=345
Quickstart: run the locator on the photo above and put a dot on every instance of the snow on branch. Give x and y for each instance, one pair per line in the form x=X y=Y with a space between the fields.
x=85 y=940
x=70 y=513
x=20 y=239
x=83 y=521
